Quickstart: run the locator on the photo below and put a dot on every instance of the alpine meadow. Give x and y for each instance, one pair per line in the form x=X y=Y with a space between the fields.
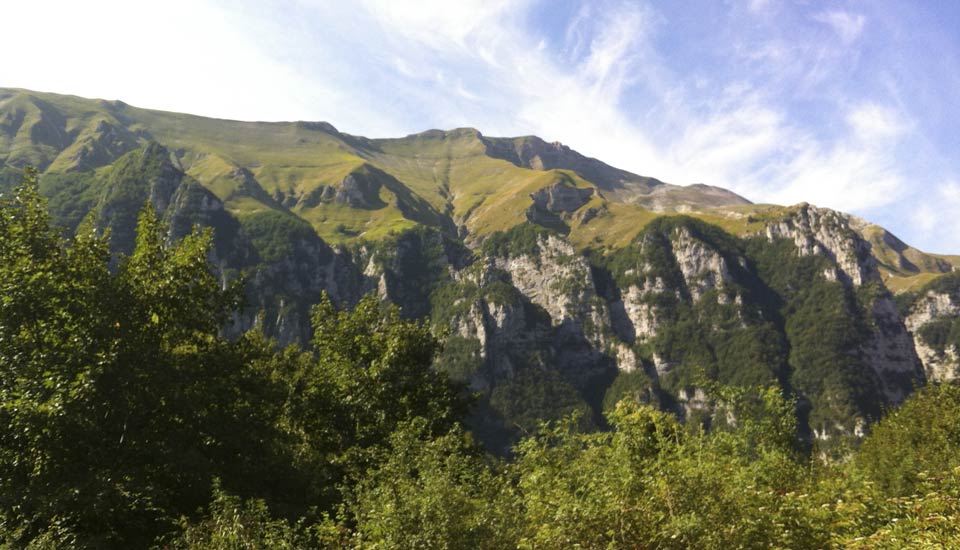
x=228 y=334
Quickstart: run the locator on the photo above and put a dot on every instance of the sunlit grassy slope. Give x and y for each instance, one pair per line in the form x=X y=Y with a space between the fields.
x=458 y=181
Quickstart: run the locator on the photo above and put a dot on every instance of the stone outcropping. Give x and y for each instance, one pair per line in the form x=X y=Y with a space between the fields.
x=940 y=365
x=823 y=232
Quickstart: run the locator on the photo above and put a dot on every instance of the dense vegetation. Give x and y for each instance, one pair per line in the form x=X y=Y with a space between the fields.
x=776 y=320
x=128 y=421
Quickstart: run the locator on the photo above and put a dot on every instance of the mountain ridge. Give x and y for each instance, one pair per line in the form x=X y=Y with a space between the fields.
x=564 y=282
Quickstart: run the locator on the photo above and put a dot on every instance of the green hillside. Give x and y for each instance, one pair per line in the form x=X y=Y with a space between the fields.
x=455 y=181
x=562 y=282
x=460 y=182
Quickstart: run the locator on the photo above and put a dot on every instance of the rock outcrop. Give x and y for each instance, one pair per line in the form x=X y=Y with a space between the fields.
x=941 y=362
x=828 y=233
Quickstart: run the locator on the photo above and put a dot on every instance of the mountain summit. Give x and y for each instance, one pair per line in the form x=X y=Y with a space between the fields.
x=563 y=282
x=457 y=180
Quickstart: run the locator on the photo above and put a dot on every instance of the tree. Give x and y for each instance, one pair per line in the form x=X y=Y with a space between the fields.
x=379 y=366
x=118 y=398
x=921 y=437
x=432 y=492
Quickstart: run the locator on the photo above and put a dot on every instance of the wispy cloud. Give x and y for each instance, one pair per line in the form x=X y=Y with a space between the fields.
x=872 y=122
x=938 y=213
x=848 y=26
x=779 y=101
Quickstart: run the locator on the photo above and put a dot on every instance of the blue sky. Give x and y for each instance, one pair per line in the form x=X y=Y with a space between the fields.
x=846 y=104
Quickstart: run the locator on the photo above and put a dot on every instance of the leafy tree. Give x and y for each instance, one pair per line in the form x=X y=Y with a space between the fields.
x=432 y=492
x=118 y=398
x=919 y=439
x=235 y=523
x=653 y=483
x=379 y=366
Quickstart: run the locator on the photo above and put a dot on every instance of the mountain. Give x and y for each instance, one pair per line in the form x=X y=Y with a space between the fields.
x=564 y=283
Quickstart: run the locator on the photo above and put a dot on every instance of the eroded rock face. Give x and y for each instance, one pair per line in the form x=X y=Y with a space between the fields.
x=889 y=350
x=640 y=311
x=887 y=347
x=931 y=306
x=824 y=232
x=279 y=293
x=940 y=365
x=557 y=279
x=703 y=268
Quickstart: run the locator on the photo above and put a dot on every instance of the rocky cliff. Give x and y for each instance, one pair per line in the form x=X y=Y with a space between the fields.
x=562 y=284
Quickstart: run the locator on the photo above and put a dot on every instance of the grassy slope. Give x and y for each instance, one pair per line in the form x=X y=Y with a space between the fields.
x=441 y=178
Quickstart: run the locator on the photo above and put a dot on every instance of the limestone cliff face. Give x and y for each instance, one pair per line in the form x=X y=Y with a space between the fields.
x=285 y=289
x=552 y=324
x=279 y=290
x=887 y=346
x=551 y=309
x=538 y=327
x=703 y=268
x=536 y=310
x=828 y=233
x=933 y=306
x=546 y=307
x=890 y=351
x=558 y=279
x=688 y=270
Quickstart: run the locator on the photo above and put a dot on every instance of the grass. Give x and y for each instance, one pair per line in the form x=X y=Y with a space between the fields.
x=898 y=283
x=442 y=178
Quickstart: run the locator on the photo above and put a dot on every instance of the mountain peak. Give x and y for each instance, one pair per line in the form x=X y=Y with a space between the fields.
x=446 y=134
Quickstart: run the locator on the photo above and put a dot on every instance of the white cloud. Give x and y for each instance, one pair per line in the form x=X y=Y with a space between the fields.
x=937 y=215
x=848 y=26
x=159 y=57
x=611 y=62
x=741 y=138
x=871 y=122
x=844 y=178
x=604 y=82
x=441 y=23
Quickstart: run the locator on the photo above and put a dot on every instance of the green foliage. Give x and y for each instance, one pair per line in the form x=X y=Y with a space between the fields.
x=126 y=188
x=452 y=300
x=729 y=334
x=70 y=197
x=652 y=484
x=121 y=405
x=940 y=333
x=823 y=322
x=274 y=233
x=416 y=263
x=236 y=524
x=650 y=254
x=636 y=386
x=922 y=436
x=460 y=358
x=10 y=177
x=927 y=518
x=649 y=483
x=535 y=395
x=520 y=240
x=118 y=397
x=378 y=365
x=431 y=492
x=948 y=284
